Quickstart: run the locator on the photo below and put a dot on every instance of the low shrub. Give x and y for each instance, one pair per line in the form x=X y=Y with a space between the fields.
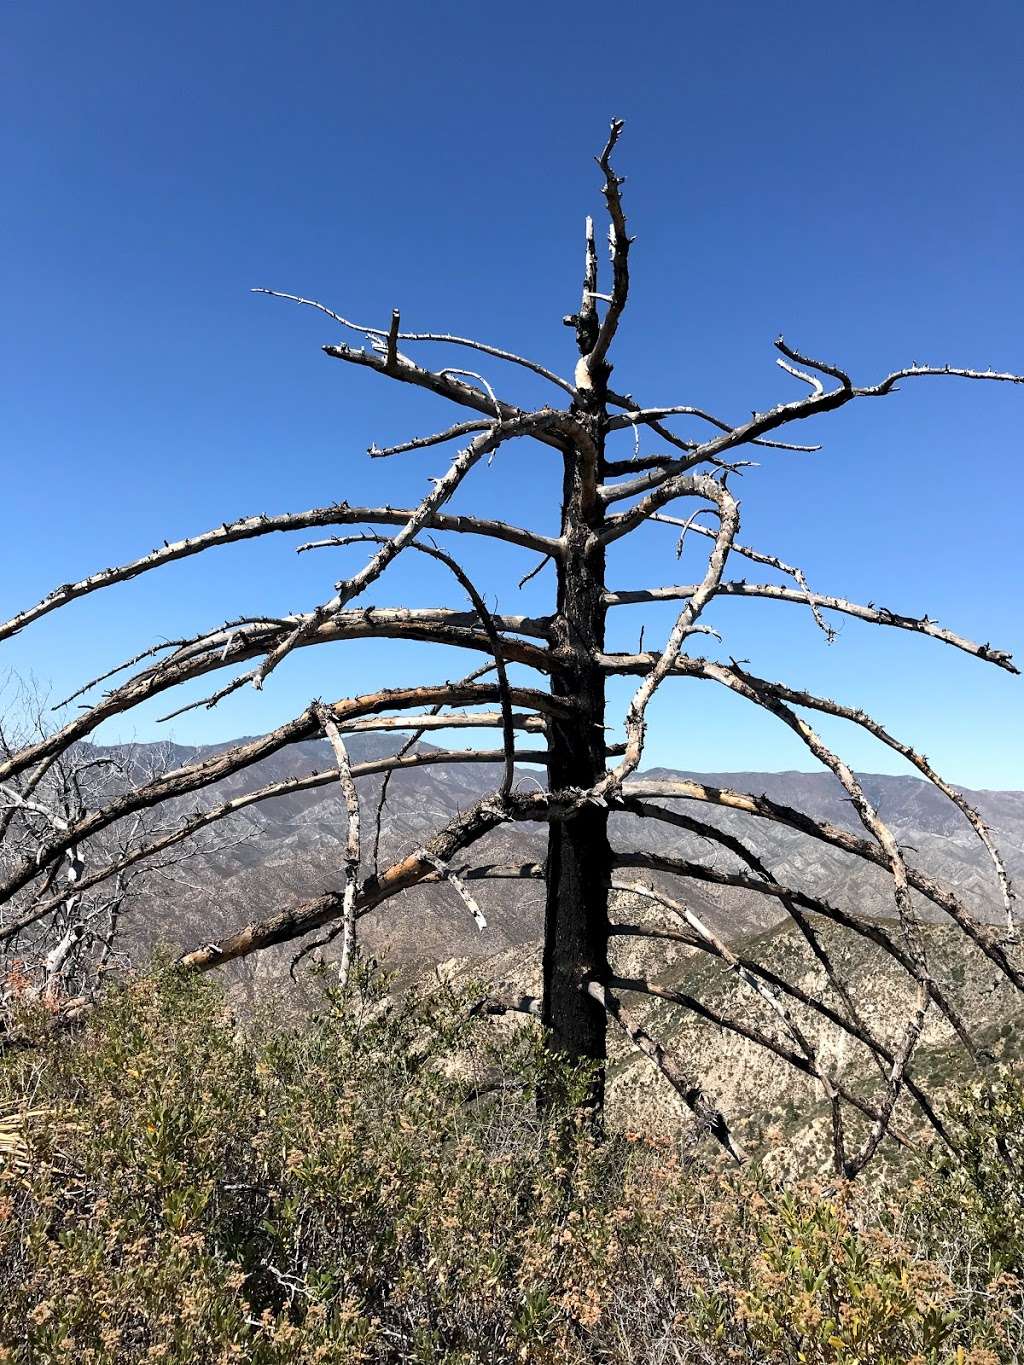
x=377 y=1184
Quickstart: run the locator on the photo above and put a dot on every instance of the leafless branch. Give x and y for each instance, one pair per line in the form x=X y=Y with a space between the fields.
x=796 y=1059
x=203 y=819
x=353 y=847
x=879 y=616
x=196 y=776
x=842 y=839
x=452 y=433
x=870 y=930
x=704 y=1110
x=248 y=528
x=445 y=337
x=851 y=1026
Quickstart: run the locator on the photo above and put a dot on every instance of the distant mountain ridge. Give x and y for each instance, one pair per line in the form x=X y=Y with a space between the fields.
x=294 y=845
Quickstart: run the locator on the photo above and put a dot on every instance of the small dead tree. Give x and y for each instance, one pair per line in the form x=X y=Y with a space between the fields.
x=604 y=499
x=63 y=932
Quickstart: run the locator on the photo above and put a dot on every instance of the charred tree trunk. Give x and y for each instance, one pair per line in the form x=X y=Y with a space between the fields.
x=579 y=854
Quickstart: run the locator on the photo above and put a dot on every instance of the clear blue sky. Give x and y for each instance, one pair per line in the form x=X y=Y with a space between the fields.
x=849 y=175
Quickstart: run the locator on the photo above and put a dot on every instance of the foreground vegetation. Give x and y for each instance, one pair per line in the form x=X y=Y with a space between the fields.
x=374 y=1186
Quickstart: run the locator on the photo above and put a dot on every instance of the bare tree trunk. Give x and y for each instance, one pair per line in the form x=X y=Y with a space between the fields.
x=579 y=854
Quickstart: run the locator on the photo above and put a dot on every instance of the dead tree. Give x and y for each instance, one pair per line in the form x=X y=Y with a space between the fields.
x=605 y=497
x=61 y=936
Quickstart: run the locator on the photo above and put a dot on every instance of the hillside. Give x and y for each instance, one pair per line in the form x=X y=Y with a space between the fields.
x=291 y=848
x=777 y=1111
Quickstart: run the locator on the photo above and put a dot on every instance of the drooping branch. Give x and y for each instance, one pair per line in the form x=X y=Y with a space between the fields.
x=742 y=683
x=746 y=686
x=249 y=528
x=743 y=1029
x=783 y=696
x=853 y=1027
x=704 y=1110
x=867 y=929
x=713 y=834
x=878 y=616
x=920 y=762
x=226 y=646
x=683 y=914
x=841 y=839
x=800 y=919
x=196 y=776
x=834 y=1092
x=202 y=819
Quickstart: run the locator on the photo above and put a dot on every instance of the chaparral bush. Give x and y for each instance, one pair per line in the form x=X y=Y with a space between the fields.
x=376 y=1184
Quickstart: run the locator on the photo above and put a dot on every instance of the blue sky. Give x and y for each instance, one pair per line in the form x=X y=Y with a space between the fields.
x=848 y=175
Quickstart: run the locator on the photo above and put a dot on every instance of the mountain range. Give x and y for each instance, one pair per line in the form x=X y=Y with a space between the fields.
x=292 y=847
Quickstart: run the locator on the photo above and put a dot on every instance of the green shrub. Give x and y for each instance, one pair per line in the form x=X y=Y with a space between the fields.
x=376 y=1185
x=199 y=1192
x=806 y=1280
x=966 y=1210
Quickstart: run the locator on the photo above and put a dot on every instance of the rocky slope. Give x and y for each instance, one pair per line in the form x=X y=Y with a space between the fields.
x=777 y=1111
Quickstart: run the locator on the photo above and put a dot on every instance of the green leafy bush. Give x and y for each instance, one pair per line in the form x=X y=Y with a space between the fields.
x=376 y=1184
